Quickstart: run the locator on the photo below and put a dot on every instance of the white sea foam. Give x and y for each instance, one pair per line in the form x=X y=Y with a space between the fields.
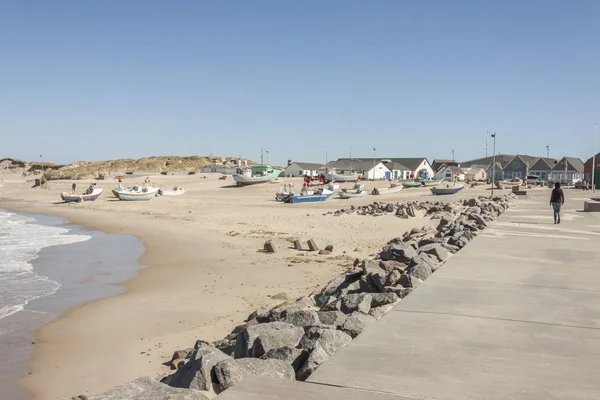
x=21 y=239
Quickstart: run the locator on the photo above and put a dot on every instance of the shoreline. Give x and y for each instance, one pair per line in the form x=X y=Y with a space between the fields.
x=84 y=273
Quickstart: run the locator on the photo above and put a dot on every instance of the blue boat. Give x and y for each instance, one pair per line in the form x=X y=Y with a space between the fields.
x=318 y=196
x=437 y=191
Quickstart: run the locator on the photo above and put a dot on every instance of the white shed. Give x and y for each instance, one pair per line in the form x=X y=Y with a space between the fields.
x=299 y=169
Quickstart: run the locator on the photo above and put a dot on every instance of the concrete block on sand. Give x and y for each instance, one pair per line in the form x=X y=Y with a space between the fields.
x=312 y=245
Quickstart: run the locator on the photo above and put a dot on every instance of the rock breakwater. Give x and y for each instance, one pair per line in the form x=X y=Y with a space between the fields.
x=291 y=340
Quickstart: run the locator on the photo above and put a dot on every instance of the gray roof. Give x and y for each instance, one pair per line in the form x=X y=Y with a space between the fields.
x=503 y=159
x=308 y=166
x=542 y=165
x=355 y=164
x=411 y=163
x=589 y=160
x=394 y=166
x=573 y=164
x=452 y=168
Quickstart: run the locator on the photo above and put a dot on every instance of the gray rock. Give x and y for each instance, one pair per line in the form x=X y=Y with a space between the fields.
x=291 y=356
x=312 y=245
x=196 y=374
x=179 y=354
x=327 y=344
x=401 y=252
x=301 y=317
x=379 y=312
x=356 y=302
x=270 y=247
x=231 y=372
x=280 y=296
x=402 y=292
x=473 y=202
x=419 y=268
x=256 y=340
x=393 y=278
x=333 y=318
x=338 y=283
x=390 y=265
x=146 y=388
x=356 y=322
x=409 y=281
x=332 y=304
x=382 y=299
x=436 y=250
x=227 y=346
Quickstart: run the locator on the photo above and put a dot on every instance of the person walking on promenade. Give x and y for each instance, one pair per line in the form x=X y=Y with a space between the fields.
x=557 y=199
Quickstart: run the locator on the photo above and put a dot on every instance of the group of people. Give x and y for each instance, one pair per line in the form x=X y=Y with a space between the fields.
x=308 y=180
x=88 y=191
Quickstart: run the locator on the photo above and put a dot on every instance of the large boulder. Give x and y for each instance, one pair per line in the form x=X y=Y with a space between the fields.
x=356 y=322
x=291 y=356
x=356 y=302
x=146 y=388
x=419 y=268
x=325 y=343
x=382 y=299
x=256 y=340
x=436 y=250
x=197 y=373
x=335 y=286
x=333 y=318
x=301 y=318
x=231 y=372
x=401 y=252
x=379 y=312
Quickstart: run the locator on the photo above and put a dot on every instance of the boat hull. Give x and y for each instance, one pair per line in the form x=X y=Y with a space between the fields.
x=432 y=182
x=75 y=198
x=137 y=196
x=311 y=198
x=409 y=185
x=445 y=191
x=242 y=180
x=341 y=178
x=346 y=195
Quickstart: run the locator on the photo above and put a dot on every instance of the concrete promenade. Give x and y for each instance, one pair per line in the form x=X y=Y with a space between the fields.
x=514 y=315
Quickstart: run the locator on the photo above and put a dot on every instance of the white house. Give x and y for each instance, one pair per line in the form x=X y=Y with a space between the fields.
x=297 y=169
x=368 y=168
x=448 y=173
x=405 y=168
x=398 y=170
x=475 y=173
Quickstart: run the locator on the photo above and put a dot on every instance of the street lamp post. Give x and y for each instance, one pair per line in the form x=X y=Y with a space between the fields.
x=453 y=155
x=494 y=164
x=548 y=165
x=267 y=151
x=374 y=162
x=261 y=156
x=594 y=162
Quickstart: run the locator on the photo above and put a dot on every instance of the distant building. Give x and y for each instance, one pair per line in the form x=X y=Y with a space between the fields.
x=415 y=167
x=399 y=171
x=587 y=169
x=518 y=167
x=475 y=173
x=568 y=170
x=542 y=167
x=438 y=163
x=296 y=169
x=368 y=169
x=449 y=173
x=219 y=169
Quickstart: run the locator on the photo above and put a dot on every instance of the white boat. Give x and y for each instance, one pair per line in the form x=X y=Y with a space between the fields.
x=352 y=195
x=246 y=178
x=317 y=196
x=277 y=180
x=333 y=186
x=332 y=176
x=448 y=189
x=137 y=194
x=512 y=182
x=177 y=191
x=76 y=198
x=392 y=189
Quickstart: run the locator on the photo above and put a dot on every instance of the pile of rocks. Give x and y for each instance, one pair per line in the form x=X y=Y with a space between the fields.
x=406 y=210
x=291 y=340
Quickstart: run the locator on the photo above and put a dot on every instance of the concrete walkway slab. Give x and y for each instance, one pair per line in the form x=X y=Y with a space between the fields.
x=468 y=358
x=258 y=388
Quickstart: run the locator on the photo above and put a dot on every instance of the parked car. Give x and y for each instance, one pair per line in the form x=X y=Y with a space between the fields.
x=582 y=185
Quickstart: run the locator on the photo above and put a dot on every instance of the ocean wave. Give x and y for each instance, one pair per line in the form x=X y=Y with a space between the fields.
x=21 y=239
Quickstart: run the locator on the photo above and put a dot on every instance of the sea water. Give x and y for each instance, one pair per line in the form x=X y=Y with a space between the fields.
x=21 y=239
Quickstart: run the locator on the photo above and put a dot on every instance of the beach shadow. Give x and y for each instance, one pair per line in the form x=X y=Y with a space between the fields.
x=230 y=186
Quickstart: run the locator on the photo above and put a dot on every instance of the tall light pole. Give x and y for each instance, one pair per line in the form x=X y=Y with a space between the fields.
x=326 y=160
x=261 y=156
x=486 y=143
x=594 y=163
x=548 y=165
x=267 y=151
x=351 y=163
x=453 y=155
x=494 y=164
x=374 y=149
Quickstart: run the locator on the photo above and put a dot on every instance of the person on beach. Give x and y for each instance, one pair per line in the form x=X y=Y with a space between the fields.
x=73 y=187
x=557 y=200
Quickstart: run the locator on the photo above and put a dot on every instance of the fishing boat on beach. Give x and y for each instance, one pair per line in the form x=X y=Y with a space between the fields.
x=136 y=193
x=512 y=182
x=333 y=186
x=356 y=191
x=389 y=190
x=332 y=176
x=177 y=191
x=432 y=182
x=408 y=185
x=308 y=197
x=246 y=177
x=76 y=198
x=449 y=189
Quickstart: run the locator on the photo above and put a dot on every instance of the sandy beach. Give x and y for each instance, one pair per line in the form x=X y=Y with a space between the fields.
x=206 y=270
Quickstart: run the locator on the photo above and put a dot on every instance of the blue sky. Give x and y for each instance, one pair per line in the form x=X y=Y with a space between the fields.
x=114 y=79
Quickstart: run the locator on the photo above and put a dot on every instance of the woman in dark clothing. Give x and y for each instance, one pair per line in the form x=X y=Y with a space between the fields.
x=557 y=199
